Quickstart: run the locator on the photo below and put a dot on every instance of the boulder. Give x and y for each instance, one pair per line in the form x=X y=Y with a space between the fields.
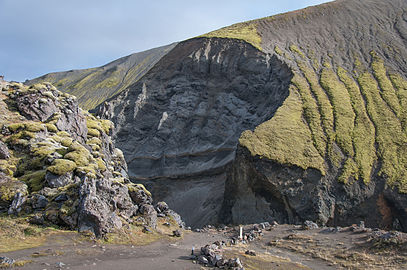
x=6 y=261
x=309 y=225
x=4 y=152
x=161 y=207
x=176 y=217
x=18 y=201
x=150 y=215
x=56 y=181
x=177 y=233
x=39 y=201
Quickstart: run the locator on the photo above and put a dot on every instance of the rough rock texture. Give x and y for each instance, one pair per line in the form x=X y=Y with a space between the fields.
x=59 y=165
x=186 y=114
x=184 y=117
x=40 y=105
x=4 y=153
x=198 y=197
x=260 y=189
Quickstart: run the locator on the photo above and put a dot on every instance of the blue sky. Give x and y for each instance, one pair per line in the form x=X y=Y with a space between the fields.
x=42 y=36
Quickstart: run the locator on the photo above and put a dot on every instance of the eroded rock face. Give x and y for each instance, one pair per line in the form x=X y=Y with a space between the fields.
x=185 y=116
x=260 y=189
x=43 y=104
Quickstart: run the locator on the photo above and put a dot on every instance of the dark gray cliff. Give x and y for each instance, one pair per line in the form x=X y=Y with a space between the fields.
x=261 y=189
x=185 y=116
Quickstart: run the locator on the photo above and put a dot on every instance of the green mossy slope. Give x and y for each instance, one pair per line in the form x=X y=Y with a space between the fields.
x=351 y=123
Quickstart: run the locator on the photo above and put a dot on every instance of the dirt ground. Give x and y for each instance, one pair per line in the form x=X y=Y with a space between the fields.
x=283 y=247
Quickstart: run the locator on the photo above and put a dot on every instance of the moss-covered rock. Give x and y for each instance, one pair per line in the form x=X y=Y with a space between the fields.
x=62 y=166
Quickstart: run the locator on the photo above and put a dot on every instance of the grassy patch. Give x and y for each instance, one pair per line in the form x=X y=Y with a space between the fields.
x=400 y=85
x=363 y=134
x=243 y=31
x=78 y=154
x=387 y=91
x=296 y=50
x=390 y=138
x=16 y=234
x=134 y=235
x=342 y=108
x=311 y=114
x=285 y=138
x=35 y=180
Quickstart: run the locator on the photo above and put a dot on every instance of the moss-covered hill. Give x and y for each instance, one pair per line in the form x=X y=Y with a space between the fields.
x=94 y=85
x=348 y=96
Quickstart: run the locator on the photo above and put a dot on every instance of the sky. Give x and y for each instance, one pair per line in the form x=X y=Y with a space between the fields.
x=43 y=36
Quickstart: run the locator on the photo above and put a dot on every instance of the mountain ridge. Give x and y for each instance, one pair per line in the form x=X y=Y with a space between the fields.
x=94 y=85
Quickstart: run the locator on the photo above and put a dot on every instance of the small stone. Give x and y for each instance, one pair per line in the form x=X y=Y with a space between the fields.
x=309 y=225
x=161 y=207
x=250 y=252
x=202 y=259
x=60 y=264
x=177 y=233
x=147 y=230
x=167 y=224
x=37 y=219
x=39 y=201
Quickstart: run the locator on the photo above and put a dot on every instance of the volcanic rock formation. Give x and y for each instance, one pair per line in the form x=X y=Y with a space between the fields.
x=59 y=166
x=299 y=116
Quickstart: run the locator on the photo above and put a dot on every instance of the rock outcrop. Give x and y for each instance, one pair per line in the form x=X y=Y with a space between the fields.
x=59 y=166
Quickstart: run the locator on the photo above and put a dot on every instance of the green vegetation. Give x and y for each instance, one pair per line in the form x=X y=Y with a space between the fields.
x=243 y=31
x=311 y=113
x=136 y=187
x=61 y=166
x=17 y=233
x=329 y=119
x=278 y=51
x=35 y=180
x=109 y=82
x=285 y=138
x=78 y=154
x=296 y=50
x=92 y=132
x=342 y=108
x=401 y=86
x=51 y=128
x=9 y=188
x=363 y=135
x=390 y=138
x=387 y=92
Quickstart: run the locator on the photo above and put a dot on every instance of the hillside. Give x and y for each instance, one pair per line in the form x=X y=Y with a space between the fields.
x=292 y=117
x=94 y=85
x=313 y=100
